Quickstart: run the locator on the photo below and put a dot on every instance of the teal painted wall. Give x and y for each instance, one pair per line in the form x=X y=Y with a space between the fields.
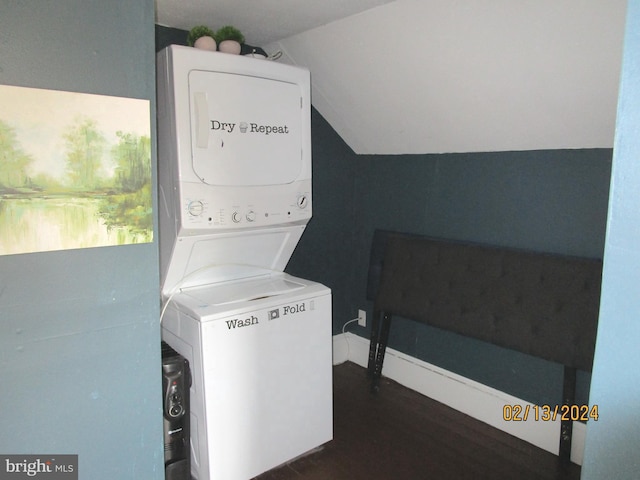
x=79 y=331
x=613 y=442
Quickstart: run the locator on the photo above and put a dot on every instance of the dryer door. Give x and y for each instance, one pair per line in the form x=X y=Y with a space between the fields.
x=245 y=130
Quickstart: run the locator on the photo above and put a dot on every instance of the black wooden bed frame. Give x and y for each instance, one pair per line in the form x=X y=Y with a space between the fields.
x=541 y=304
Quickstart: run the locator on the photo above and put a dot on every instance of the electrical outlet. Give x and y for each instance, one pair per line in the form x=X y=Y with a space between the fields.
x=362 y=318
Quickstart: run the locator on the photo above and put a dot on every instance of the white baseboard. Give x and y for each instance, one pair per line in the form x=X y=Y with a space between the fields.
x=468 y=396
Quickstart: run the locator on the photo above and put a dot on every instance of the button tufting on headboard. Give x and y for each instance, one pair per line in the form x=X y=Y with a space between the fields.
x=498 y=295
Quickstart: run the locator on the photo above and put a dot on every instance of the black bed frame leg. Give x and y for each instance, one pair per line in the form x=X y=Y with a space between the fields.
x=373 y=342
x=378 y=347
x=566 y=424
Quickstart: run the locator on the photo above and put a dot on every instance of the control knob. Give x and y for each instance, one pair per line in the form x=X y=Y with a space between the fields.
x=303 y=201
x=195 y=208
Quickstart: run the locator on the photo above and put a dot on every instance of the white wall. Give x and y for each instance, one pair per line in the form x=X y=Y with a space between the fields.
x=434 y=76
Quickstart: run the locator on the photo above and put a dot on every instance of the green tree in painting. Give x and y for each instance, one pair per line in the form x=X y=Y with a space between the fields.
x=132 y=156
x=131 y=206
x=85 y=148
x=14 y=162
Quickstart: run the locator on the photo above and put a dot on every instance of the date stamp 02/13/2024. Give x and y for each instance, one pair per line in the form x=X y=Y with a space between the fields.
x=546 y=413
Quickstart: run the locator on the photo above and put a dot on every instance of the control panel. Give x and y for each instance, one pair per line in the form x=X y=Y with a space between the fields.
x=214 y=209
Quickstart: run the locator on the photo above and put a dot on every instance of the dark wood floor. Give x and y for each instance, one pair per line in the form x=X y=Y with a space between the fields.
x=400 y=434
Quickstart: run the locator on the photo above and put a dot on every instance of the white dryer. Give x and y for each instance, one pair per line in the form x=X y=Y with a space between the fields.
x=234 y=152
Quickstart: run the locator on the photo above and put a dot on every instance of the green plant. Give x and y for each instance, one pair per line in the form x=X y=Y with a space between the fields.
x=229 y=33
x=200 y=31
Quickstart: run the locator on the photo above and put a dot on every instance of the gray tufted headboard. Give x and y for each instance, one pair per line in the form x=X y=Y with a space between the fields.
x=541 y=304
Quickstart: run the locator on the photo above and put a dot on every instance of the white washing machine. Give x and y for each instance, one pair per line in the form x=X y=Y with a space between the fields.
x=234 y=168
x=261 y=372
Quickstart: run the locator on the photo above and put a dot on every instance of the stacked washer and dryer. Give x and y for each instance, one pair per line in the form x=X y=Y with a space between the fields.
x=234 y=151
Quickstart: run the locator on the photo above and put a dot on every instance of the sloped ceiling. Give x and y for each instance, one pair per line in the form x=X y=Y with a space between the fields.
x=261 y=21
x=435 y=76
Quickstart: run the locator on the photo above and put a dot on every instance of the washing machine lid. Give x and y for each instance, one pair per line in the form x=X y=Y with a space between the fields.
x=231 y=293
x=212 y=259
x=211 y=302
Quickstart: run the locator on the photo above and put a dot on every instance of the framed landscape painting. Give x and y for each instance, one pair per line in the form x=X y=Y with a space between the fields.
x=75 y=170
